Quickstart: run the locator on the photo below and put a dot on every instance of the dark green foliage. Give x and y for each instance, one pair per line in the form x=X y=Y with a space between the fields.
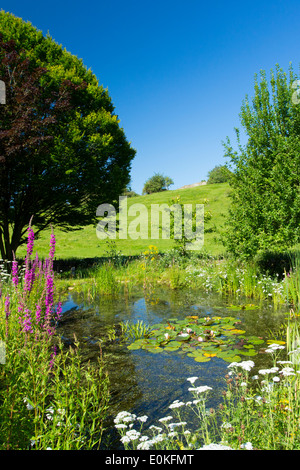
x=265 y=210
x=66 y=153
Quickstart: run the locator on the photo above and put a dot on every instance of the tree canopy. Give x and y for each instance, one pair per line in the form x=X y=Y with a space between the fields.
x=219 y=174
x=62 y=150
x=265 y=210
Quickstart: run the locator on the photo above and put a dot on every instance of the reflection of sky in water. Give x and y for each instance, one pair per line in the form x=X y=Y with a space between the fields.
x=147 y=383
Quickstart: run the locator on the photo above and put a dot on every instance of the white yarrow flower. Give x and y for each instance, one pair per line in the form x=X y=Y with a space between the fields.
x=192 y=379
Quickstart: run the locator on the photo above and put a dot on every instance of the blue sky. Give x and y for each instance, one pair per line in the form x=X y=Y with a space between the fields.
x=177 y=71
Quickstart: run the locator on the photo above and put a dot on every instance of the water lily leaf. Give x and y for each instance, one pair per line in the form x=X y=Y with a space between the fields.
x=250 y=352
x=255 y=340
x=135 y=345
x=183 y=337
x=201 y=359
x=231 y=358
x=155 y=350
x=171 y=348
x=174 y=344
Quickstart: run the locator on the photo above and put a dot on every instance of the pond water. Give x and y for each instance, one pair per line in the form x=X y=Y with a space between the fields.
x=145 y=383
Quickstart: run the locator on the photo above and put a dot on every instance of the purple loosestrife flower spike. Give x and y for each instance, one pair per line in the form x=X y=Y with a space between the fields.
x=27 y=321
x=52 y=246
x=14 y=272
x=58 y=311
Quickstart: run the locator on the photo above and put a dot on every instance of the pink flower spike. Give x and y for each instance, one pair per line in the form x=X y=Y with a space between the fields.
x=52 y=246
x=14 y=271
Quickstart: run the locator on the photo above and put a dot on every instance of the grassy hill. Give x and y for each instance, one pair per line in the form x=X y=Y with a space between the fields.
x=85 y=244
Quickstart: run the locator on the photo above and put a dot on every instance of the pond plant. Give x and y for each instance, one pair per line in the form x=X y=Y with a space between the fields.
x=201 y=338
x=49 y=399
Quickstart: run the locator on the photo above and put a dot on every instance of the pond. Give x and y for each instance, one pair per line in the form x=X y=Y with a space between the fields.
x=142 y=382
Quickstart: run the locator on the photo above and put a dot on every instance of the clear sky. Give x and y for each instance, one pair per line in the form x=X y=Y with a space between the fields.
x=177 y=71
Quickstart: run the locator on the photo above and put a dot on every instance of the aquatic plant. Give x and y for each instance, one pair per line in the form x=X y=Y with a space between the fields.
x=201 y=338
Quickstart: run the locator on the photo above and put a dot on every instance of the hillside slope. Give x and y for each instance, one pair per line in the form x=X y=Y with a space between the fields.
x=85 y=244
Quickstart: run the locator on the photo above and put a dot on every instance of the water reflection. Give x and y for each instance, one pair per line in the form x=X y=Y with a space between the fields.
x=146 y=383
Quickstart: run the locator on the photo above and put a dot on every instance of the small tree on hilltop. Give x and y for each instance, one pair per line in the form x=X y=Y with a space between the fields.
x=157 y=183
x=219 y=174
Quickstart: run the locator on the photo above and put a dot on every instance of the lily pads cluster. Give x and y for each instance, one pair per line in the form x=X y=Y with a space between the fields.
x=200 y=338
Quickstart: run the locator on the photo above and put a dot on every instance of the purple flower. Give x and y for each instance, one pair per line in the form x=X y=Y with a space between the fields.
x=27 y=327
x=28 y=277
x=49 y=292
x=52 y=246
x=58 y=311
x=38 y=313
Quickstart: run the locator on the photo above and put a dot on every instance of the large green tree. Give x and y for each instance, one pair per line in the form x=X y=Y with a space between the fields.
x=62 y=149
x=265 y=210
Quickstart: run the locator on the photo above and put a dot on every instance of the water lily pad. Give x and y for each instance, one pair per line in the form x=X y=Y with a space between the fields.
x=202 y=359
x=249 y=352
x=220 y=338
x=183 y=337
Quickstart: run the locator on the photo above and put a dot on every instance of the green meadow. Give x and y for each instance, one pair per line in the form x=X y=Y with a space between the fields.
x=84 y=243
